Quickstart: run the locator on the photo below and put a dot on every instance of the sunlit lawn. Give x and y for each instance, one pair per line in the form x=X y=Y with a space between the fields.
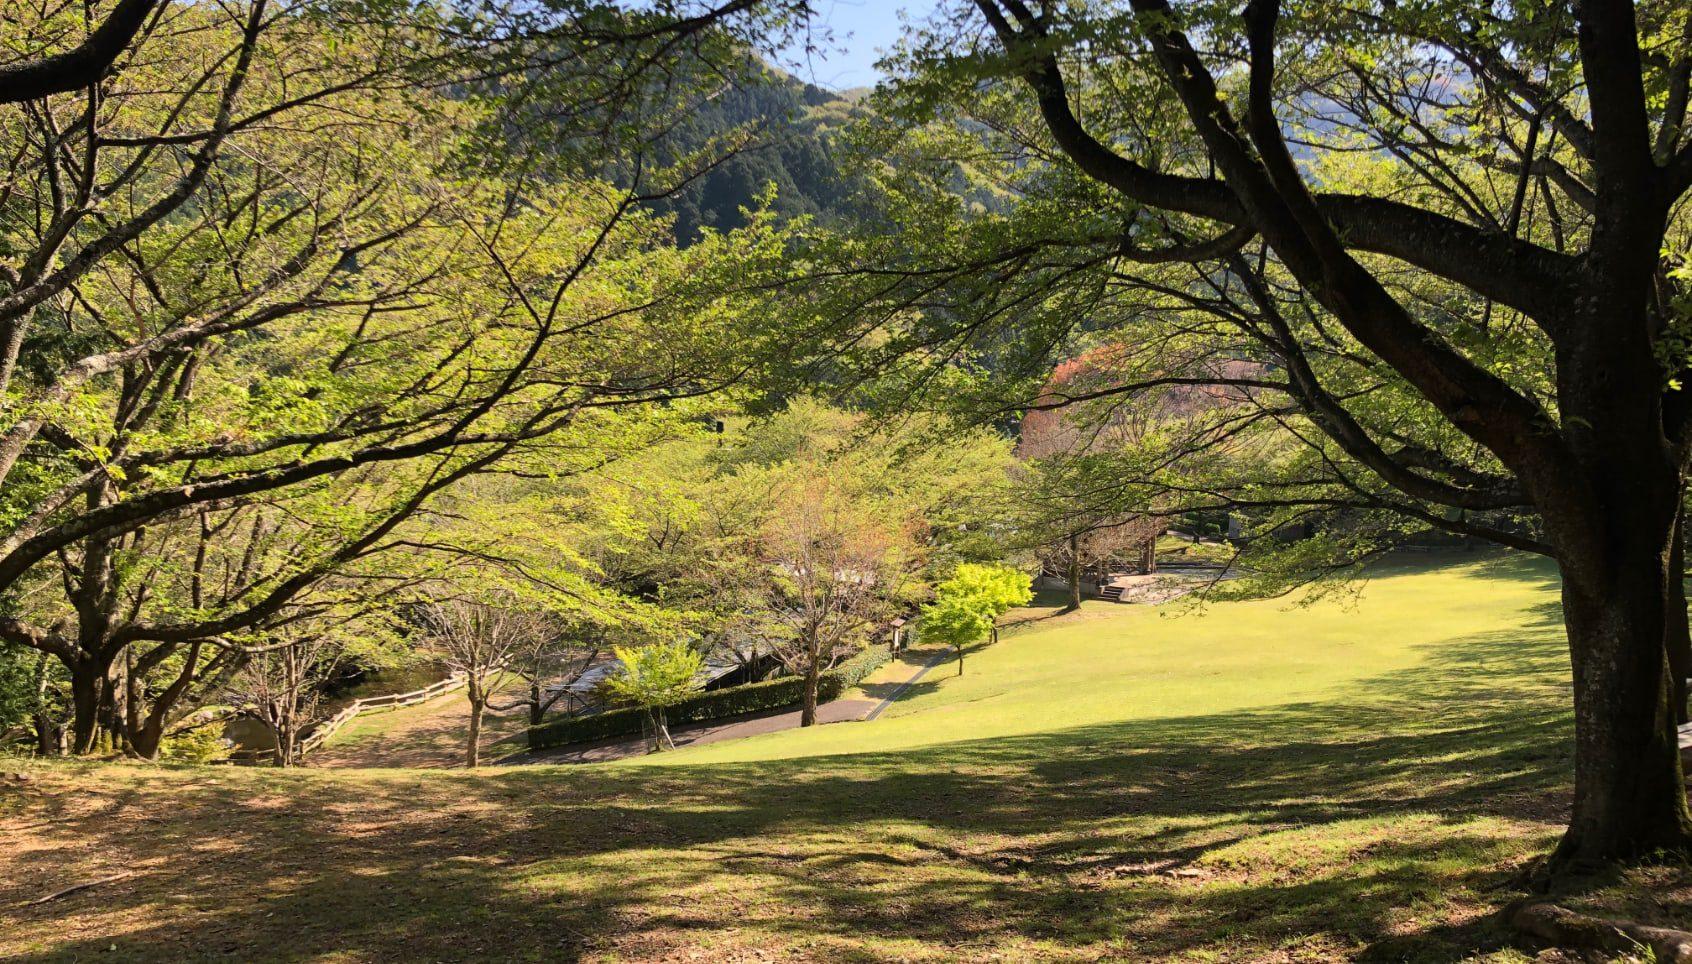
x=1356 y=778
x=1110 y=663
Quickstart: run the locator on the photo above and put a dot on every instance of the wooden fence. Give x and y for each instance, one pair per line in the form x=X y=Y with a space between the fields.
x=321 y=733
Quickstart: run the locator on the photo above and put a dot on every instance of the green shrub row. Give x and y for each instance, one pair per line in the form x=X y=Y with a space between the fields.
x=750 y=698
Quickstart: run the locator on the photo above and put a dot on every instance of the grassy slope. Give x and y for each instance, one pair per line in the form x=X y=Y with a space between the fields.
x=1114 y=664
x=1259 y=783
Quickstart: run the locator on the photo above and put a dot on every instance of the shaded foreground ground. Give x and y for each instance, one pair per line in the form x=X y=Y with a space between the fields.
x=1299 y=814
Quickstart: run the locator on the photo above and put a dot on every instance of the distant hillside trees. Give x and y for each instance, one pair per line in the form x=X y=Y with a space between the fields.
x=787 y=134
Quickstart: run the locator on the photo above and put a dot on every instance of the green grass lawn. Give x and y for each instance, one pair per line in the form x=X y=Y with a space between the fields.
x=1113 y=665
x=1177 y=549
x=1361 y=777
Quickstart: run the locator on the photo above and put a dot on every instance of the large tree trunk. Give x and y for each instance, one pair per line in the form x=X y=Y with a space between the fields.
x=49 y=736
x=1629 y=797
x=147 y=738
x=1677 y=637
x=86 y=688
x=1621 y=602
x=1612 y=516
x=146 y=733
x=131 y=710
x=112 y=733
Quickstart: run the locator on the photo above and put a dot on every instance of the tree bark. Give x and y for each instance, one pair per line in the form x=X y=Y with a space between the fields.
x=1630 y=798
x=287 y=739
x=473 y=746
x=85 y=707
x=110 y=729
x=147 y=738
x=1677 y=637
x=1074 y=572
x=1611 y=509
x=813 y=674
x=49 y=736
x=146 y=733
x=81 y=66
x=131 y=716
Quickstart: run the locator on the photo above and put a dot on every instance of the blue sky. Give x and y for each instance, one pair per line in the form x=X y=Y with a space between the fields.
x=861 y=29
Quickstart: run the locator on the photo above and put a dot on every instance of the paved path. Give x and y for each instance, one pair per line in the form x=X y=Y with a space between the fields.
x=849 y=709
x=933 y=661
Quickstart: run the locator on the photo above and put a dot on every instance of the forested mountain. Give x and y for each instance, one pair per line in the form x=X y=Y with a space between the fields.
x=792 y=126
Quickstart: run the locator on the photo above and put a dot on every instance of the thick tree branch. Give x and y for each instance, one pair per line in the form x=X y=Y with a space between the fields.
x=83 y=66
x=1615 y=85
x=1534 y=280
x=1476 y=401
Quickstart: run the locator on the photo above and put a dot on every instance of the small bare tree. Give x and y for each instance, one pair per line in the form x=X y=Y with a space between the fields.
x=483 y=641
x=283 y=687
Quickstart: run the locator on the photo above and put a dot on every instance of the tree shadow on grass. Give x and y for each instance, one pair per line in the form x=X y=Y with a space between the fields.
x=1374 y=825
x=930 y=683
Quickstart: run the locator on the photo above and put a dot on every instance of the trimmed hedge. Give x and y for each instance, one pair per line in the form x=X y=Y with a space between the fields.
x=750 y=698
